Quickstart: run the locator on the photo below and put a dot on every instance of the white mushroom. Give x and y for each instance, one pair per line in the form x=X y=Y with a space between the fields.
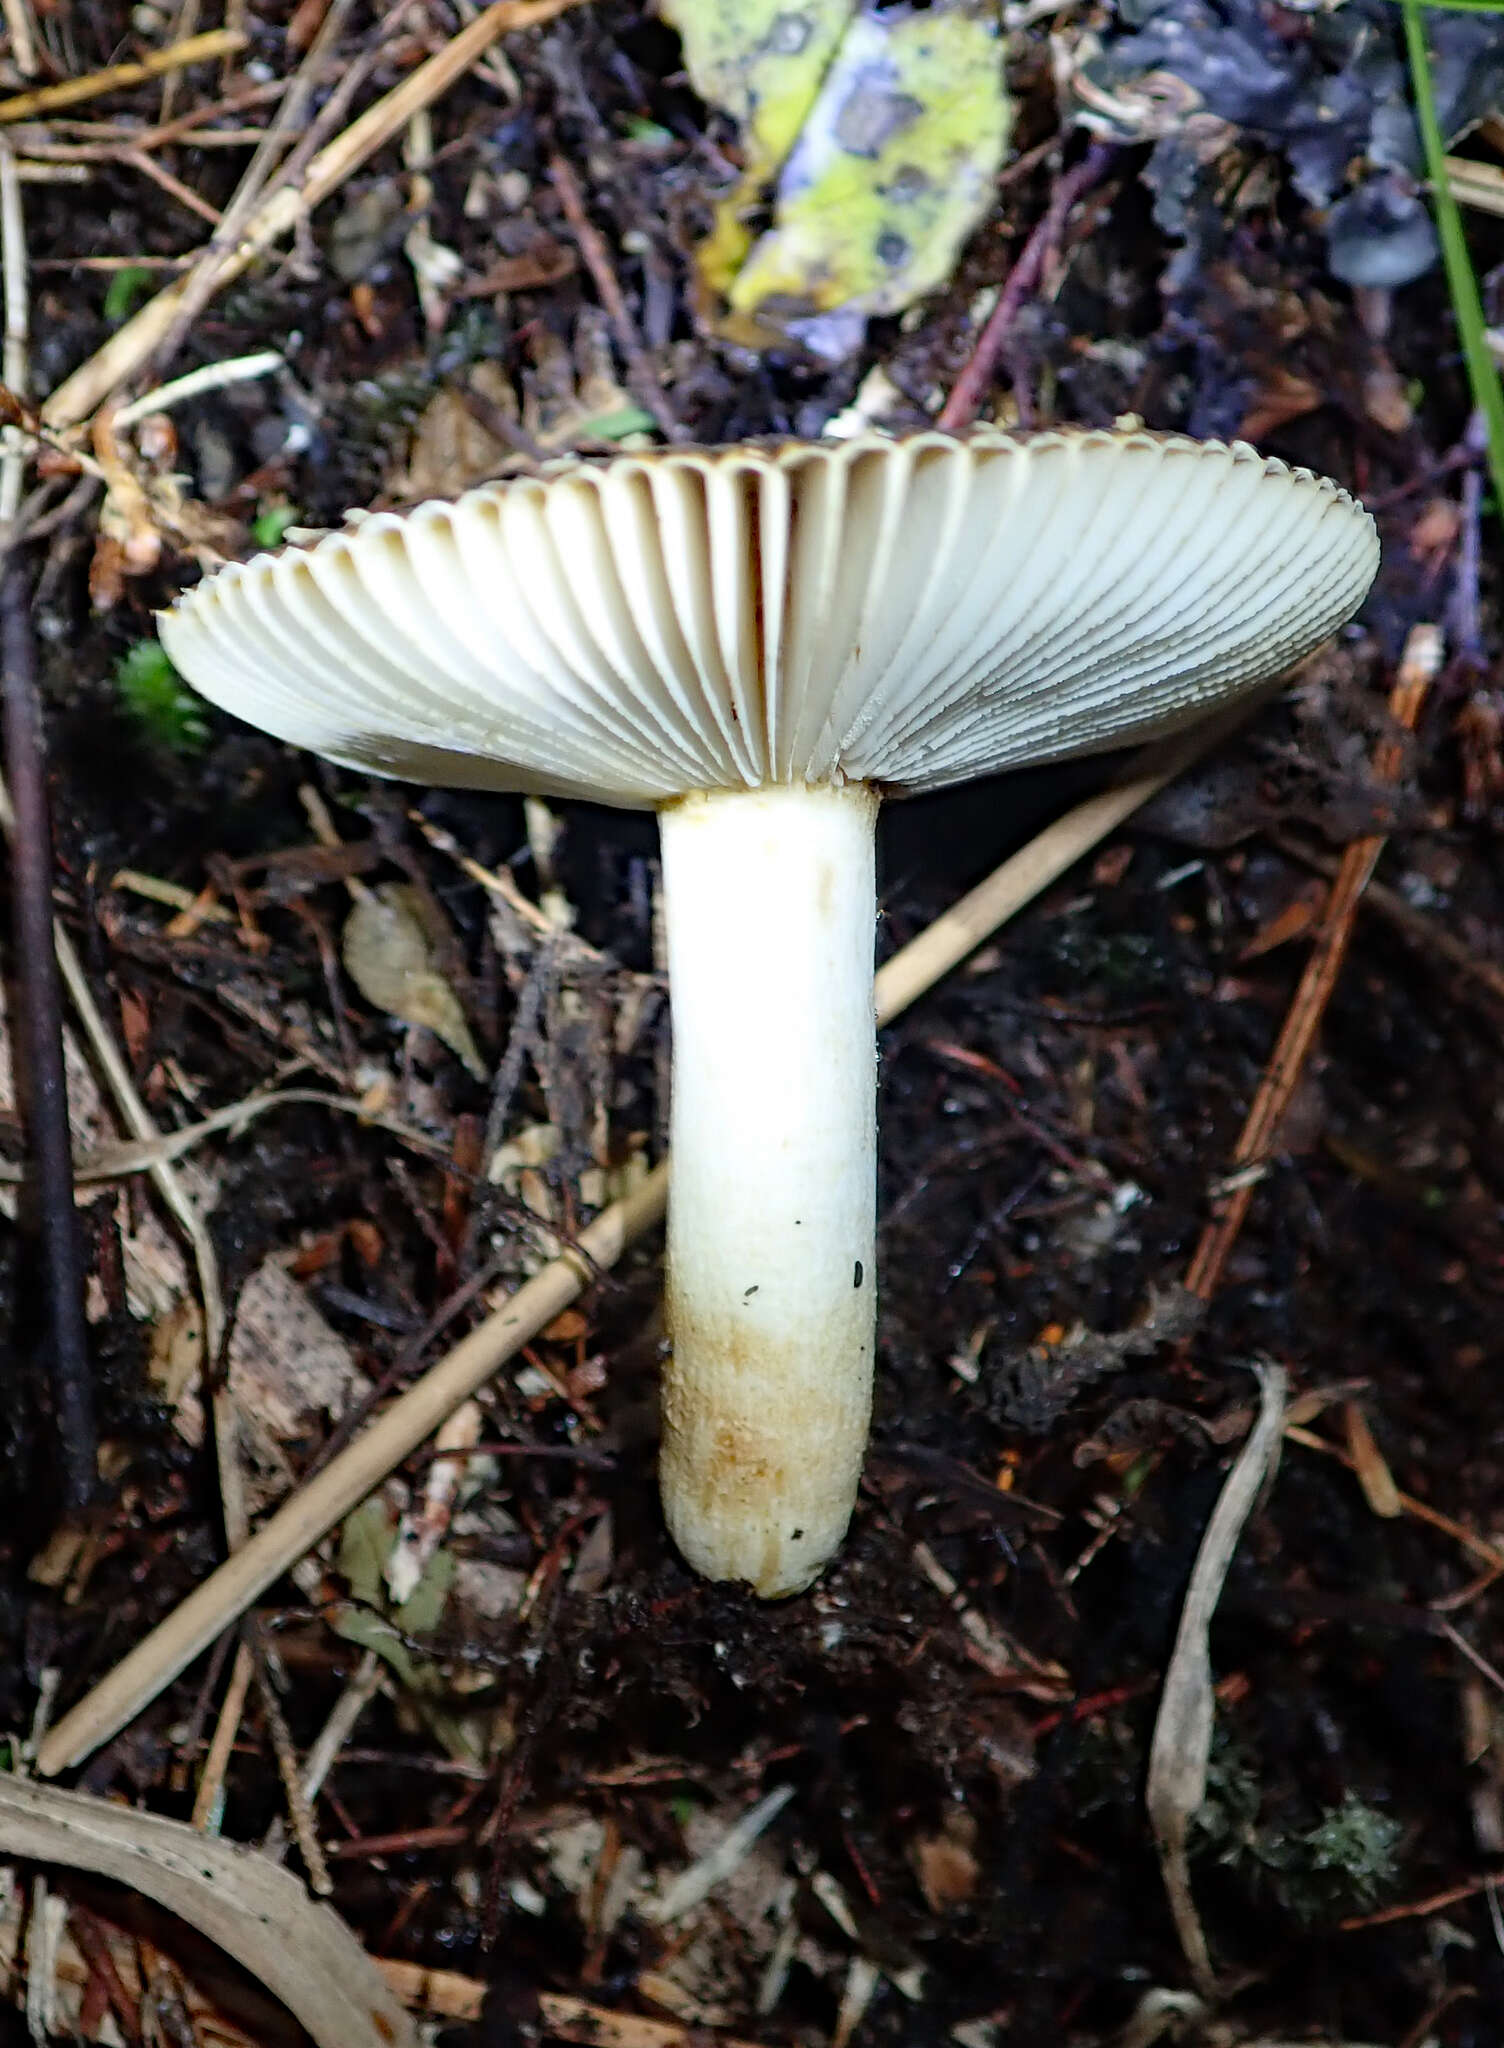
x=759 y=642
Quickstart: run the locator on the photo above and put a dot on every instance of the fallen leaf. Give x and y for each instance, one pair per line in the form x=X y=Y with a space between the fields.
x=374 y=1622
x=255 y=1911
x=893 y=167
x=1181 y=1747
x=1282 y=397
x=452 y=446
x=762 y=61
x=945 y=1866
x=1292 y=922
x=879 y=132
x=545 y=262
x=388 y=956
x=290 y=1373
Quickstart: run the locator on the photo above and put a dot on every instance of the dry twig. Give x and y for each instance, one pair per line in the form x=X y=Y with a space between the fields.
x=206 y=1799
x=161 y=1148
x=199 y=286
x=68 y=92
x=22 y=31
x=41 y=1010
x=46 y=1091
x=1424 y=931
x=449 y=1995
x=1387 y=1916
x=299 y=1811
x=1487 y=1553
x=642 y=380
x=137 y=339
x=971 y=387
x=1286 y=1063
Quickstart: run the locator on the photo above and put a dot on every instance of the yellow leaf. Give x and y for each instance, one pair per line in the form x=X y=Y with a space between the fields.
x=762 y=62
x=894 y=166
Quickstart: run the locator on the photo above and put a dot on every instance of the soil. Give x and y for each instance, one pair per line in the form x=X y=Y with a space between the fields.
x=1055 y=1416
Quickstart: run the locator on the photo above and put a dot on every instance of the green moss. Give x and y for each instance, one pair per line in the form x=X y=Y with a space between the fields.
x=158 y=701
x=272 y=522
x=1342 y=1862
x=1123 y=966
x=1349 y=1860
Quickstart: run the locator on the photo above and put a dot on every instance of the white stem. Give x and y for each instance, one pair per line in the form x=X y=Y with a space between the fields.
x=769 y=903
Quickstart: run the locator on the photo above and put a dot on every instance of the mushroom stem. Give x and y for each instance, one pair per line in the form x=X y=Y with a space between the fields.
x=769 y=901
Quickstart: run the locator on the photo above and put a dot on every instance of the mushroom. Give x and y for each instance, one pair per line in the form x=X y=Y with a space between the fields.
x=759 y=642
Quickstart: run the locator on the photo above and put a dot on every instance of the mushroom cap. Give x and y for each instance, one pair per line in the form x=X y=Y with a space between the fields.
x=909 y=612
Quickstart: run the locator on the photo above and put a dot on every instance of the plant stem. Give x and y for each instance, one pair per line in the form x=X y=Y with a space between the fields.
x=769 y=902
x=1467 y=306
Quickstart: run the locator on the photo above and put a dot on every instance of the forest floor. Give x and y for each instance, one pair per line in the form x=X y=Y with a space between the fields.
x=957 y=1720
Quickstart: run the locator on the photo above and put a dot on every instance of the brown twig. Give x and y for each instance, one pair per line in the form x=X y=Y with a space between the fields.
x=24 y=804
x=42 y=1036
x=103 y=133
x=1389 y=1916
x=206 y=1797
x=971 y=387
x=94 y=1946
x=1422 y=930
x=68 y=92
x=299 y=1812
x=138 y=160
x=400 y=1842
x=447 y=1994
x=1286 y=1063
x=641 y=378
x=1419 y=1510
x=108 y=264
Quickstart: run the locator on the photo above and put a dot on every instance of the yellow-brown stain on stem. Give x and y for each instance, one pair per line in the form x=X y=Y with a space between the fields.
x=762 y=1447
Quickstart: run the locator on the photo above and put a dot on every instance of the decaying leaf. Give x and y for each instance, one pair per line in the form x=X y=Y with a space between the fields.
x=290 y=1372
x=251 y=1908
x=365 y=1545
x=388 y=956
x=946 y=1865
x=125 y=517
x=176 y=1359
x=762 y=61
x=144 y=507
x=1181 y=1747
x=884 y=129
x=374 y=1622
x=453 y=447
x=891 y=171
x=570 y=387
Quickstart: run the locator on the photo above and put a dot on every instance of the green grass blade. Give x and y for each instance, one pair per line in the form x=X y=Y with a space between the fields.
x=1482 y=373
